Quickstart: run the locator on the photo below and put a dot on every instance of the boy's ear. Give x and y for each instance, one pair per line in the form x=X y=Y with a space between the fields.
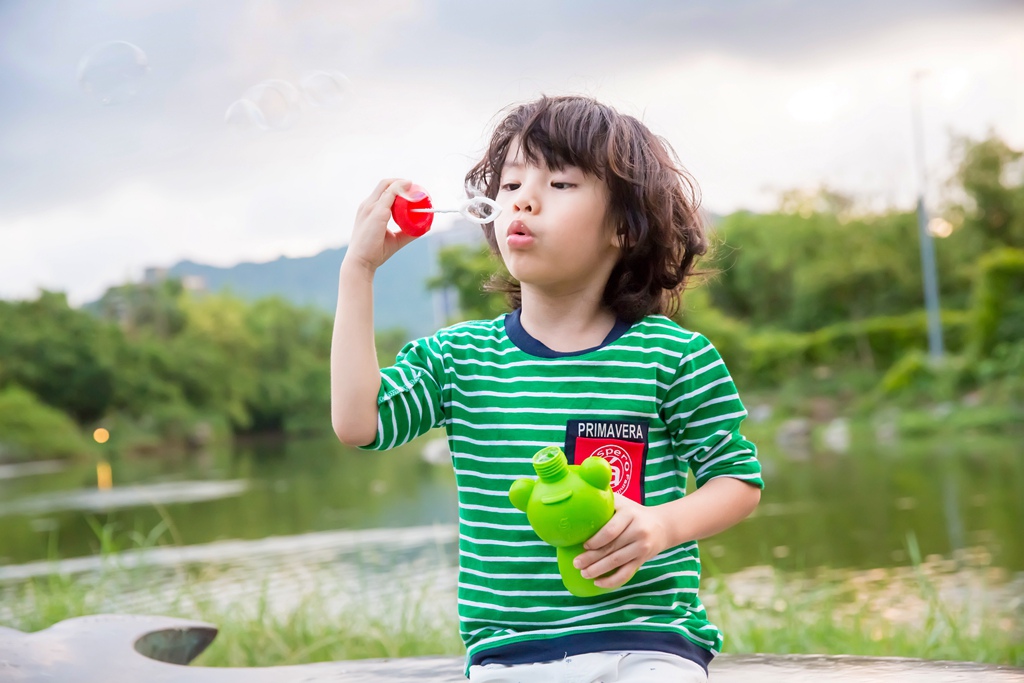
x=620 y=239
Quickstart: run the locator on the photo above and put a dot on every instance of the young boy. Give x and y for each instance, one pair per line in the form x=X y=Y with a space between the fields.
x=599 y=230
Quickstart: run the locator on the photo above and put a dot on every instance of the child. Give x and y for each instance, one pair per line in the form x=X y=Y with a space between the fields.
x=599 y=230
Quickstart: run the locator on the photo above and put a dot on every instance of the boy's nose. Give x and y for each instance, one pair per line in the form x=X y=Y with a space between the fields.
x=525 y=201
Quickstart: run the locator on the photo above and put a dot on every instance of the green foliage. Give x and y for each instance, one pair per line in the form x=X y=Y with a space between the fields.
x=1001 y=374
x=878 y=343
x=162 y=363
x=30 y=429
x=999 y=300
x=921 y=380
x=991 y=175
x=291 y=353
x=816 y=262
x=728 y=334
x=767 y=357
x=62 y=356
x=466 y=269
x=389 y=343
x=814 y=286
x=912 y=370
x=145 y=308
x=263 y=366
x=792 y=272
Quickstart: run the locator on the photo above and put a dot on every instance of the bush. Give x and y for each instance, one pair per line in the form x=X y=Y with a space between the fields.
x=999 y=301
x=1002 y=373
x=728 y=334
x=875 y=344
x=31 y=430
x=879 y=343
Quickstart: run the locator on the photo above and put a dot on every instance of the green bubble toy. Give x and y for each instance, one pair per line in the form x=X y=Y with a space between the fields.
x=567 y=505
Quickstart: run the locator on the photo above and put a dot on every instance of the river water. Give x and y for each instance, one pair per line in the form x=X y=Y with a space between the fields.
x=296 y=508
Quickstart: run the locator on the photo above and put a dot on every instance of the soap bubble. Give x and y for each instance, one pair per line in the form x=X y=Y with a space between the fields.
x=244 y=116
x=325 y=88
x=113 y=72
x=481 y=210
x=277 y=103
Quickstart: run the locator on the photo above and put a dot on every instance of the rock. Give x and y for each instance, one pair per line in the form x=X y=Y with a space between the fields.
x=836 y=436
x=114 y=648
x=794 y=437
x=760 y=412
x=436 y=452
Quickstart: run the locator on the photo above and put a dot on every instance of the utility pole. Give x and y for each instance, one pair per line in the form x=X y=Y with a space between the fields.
x=928 y=269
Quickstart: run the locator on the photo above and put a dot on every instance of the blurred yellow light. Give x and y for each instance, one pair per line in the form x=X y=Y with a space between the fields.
x=101 y=435
x=940 y=227
x=104 y=477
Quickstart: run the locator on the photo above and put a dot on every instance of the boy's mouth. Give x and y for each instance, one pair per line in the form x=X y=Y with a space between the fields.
x=519 y=228
x=518 y=235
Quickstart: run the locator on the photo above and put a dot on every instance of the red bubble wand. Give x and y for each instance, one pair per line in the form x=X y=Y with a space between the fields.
x=414 y=213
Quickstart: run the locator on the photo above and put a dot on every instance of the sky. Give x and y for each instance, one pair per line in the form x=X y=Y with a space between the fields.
x=118 y=151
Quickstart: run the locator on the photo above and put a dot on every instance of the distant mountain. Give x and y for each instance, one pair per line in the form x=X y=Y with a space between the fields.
x=401 y=297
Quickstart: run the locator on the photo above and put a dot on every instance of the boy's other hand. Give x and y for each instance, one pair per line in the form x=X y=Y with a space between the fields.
x=372 y=243
x=632 y=536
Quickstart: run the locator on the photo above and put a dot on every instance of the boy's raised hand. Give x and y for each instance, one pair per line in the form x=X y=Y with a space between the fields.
x=372 y=243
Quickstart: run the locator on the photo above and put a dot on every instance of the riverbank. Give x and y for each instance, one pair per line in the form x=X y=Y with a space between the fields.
x=954 y=608
x=798 y=416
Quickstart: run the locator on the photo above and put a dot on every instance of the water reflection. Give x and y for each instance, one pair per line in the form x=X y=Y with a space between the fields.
x=28 y=469
x=108 y=498
x=951 y=509
x=313 y=523
x=853 y=511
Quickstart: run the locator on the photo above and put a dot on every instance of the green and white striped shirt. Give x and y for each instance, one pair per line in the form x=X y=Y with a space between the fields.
x=500 y=399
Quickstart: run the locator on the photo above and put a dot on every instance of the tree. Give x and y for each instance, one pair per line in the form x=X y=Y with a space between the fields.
x=63 y=356
x=990 y=175
x=467 y=269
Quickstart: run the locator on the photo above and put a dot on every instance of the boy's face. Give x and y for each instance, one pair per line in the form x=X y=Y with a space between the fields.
x=554 y=231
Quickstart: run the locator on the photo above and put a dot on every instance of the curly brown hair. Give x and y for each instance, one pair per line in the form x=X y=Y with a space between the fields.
x=654 y=202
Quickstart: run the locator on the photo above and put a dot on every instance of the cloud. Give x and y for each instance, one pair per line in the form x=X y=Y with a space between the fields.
x=755 y=96
x=103 y=241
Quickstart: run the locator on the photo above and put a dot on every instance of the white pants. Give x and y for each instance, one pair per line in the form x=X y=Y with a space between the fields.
x=596 y=667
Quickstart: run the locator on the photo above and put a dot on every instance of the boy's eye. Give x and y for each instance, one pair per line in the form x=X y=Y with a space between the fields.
x=561 y=185
x=508 y=187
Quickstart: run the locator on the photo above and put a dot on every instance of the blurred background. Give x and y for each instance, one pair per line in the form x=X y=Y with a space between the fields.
x=177 y=185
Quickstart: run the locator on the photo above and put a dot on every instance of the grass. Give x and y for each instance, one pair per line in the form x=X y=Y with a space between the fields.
x=32 y=430
x=936 y=608
x=254 y=630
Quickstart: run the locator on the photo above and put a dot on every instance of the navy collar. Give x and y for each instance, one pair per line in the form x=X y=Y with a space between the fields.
x=521 y=338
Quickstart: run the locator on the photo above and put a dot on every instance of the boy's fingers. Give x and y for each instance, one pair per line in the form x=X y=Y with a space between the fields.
x=394 y=189
x=383 y=186
x=400 y=239
x=608 y=533
x=386 y=195
x=619 y=578
x=371 y=201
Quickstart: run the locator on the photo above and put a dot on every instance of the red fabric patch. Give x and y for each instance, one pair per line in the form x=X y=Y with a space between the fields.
x=626 y=459
x=622 y=443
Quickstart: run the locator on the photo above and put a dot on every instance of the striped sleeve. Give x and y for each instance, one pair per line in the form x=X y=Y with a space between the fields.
x=703 y=412
x=410 y=400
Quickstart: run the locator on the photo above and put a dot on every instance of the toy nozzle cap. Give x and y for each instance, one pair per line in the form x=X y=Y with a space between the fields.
x=414 y=223
x=550 y=463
